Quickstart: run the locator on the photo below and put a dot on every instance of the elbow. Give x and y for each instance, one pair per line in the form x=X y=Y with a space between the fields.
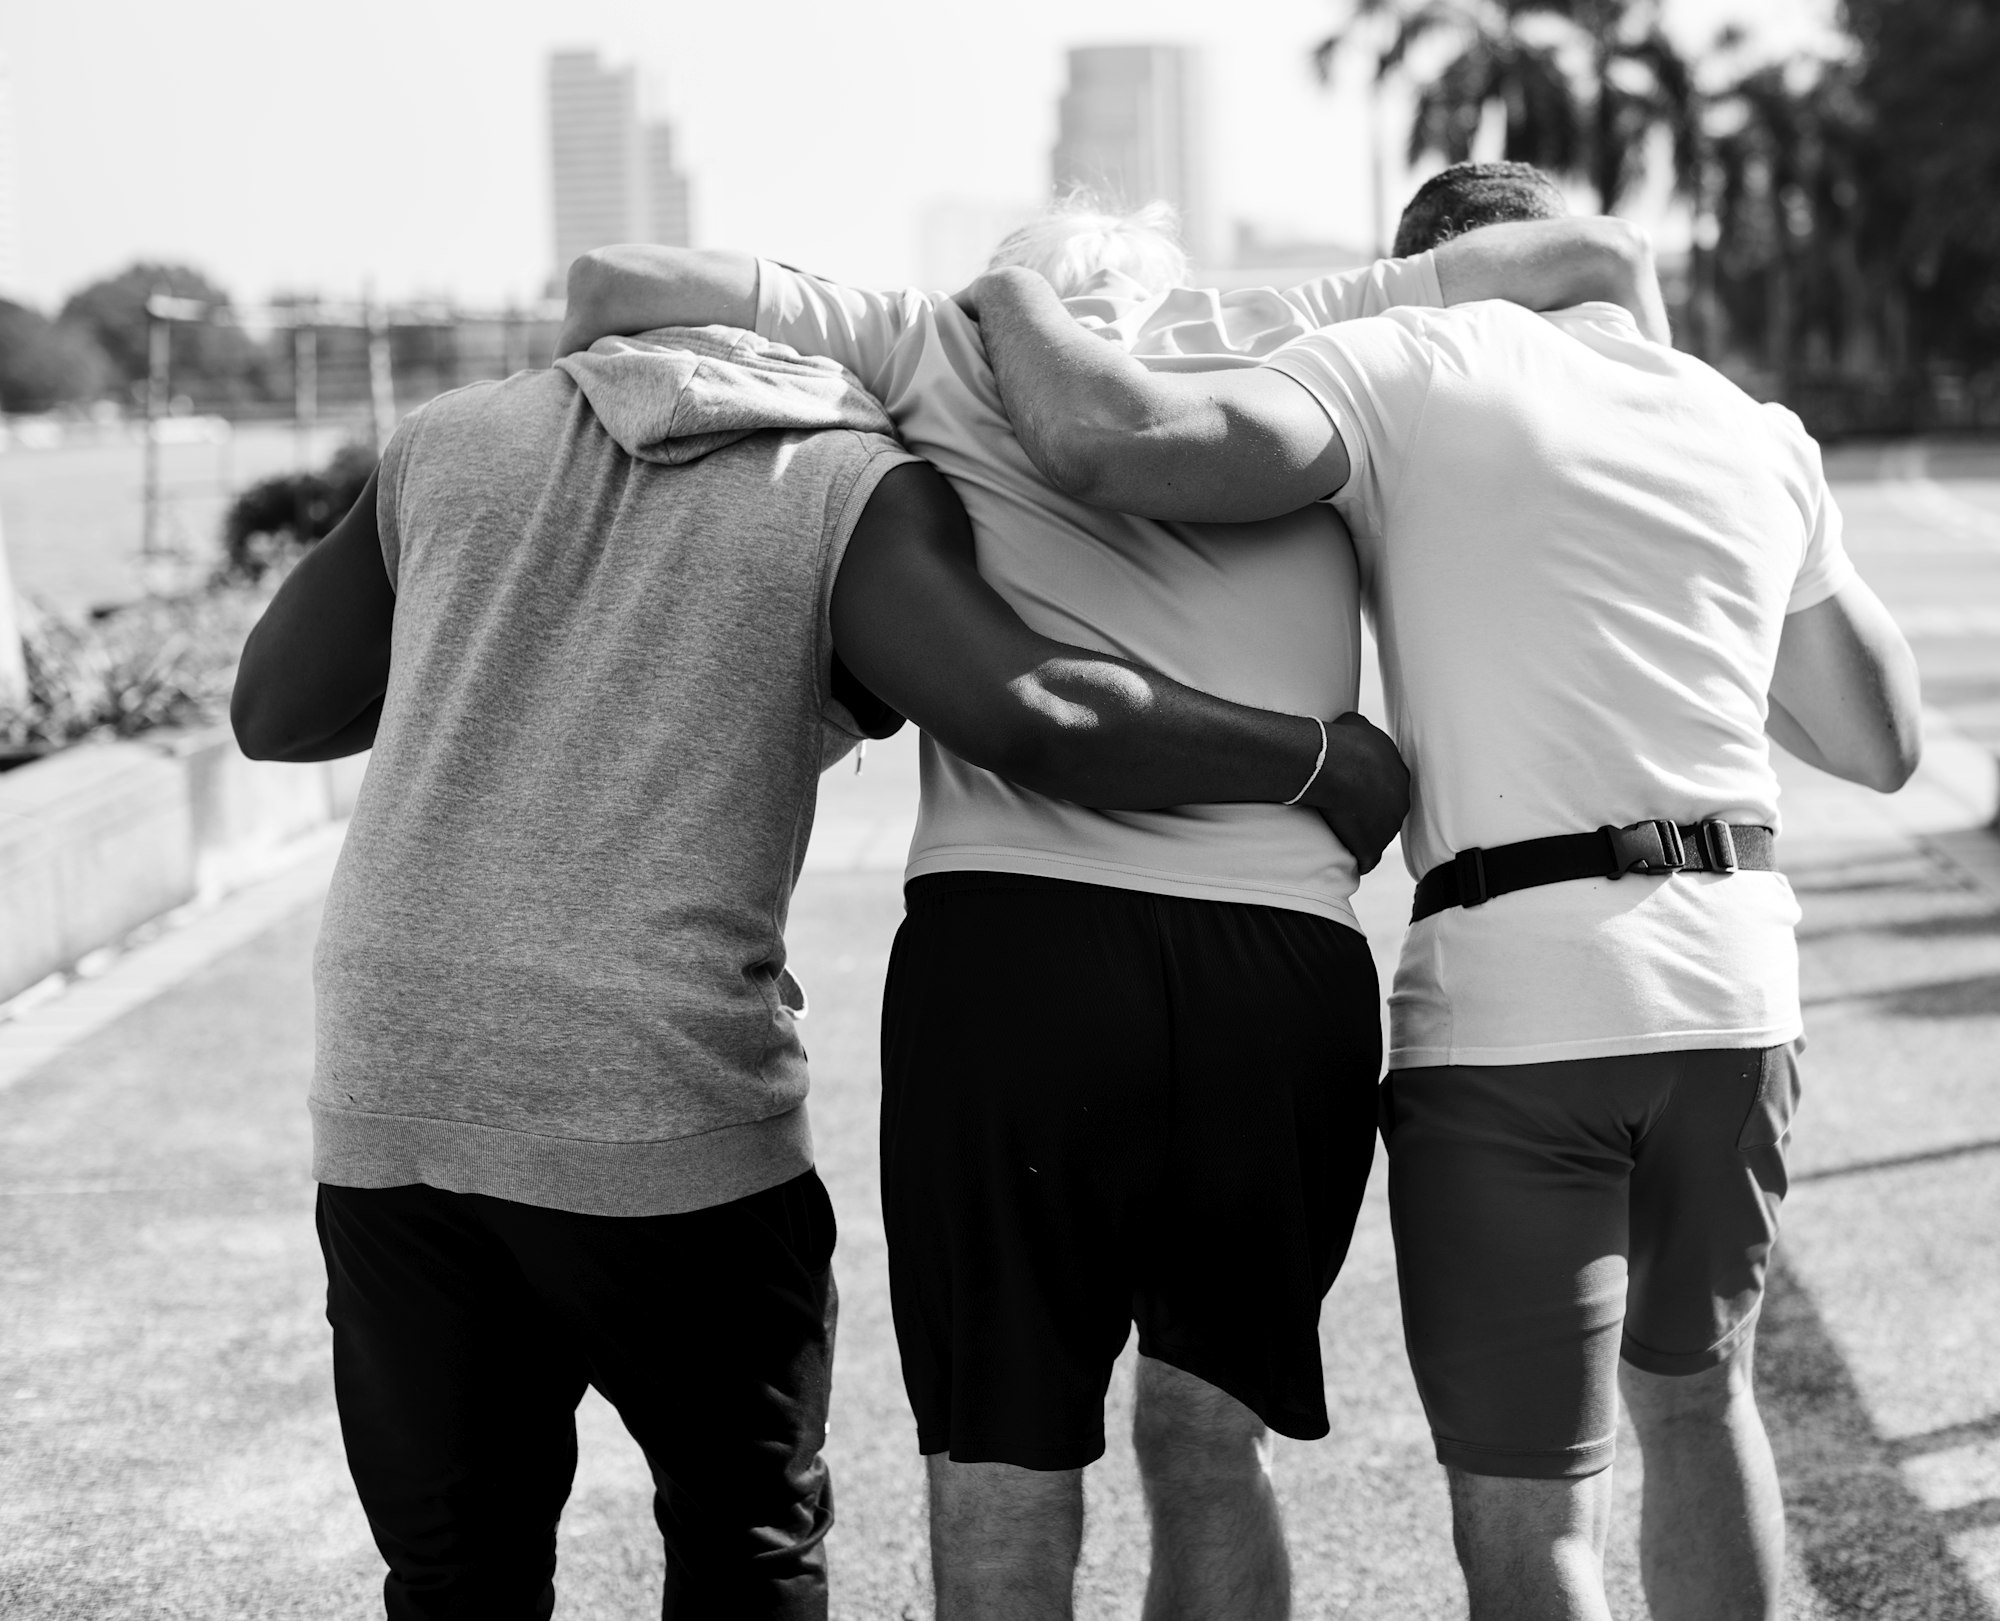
x=257 y=717
x=1091 y=456
x=1027 y=745
x=255 y=738
x=1898 y=763
x=1619 y=261
x=592 y=274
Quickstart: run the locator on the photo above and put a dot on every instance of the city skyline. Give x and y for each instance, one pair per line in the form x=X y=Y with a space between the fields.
x=1130 y=127
x=277 y=152
x=612 y=175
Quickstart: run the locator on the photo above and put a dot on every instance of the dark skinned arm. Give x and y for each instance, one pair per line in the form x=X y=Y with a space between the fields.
x=310 y=683
x=915 y=623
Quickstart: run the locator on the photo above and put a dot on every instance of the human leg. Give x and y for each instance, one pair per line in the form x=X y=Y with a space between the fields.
x=711 y=1332
x=1271 y=1099
x=1508 y=1192
x=1023 y=1025
x=1712 y=1518
x=457 y=1403
x=1706 y=1189
x=1205 y=1464
x=1004 y=1540
x=1532 y=1550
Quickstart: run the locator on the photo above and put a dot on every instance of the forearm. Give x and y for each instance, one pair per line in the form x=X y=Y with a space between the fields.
x=1103 y=732
x=354 y=737
x=1080 y=406
x=1553 y=264
x=635 y=287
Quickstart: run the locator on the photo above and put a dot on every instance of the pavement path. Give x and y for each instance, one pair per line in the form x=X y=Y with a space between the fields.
x=167 y=1439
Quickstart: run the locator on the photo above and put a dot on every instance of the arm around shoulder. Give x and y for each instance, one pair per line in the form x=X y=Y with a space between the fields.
x=636 y=286
x=913 y=620
x=1226 y=446
x=1554 y=263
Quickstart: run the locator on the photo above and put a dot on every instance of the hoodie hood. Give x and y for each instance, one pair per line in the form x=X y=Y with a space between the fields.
x=675 y=394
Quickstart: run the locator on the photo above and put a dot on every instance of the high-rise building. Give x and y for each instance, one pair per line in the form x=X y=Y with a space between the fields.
x=612 y=177
x=666 y=191
x=11 y=268
x=1130 y=126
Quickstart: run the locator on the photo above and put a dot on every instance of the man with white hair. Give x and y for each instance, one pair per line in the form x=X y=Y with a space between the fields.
x=1602 y=578
x=1129 y=1058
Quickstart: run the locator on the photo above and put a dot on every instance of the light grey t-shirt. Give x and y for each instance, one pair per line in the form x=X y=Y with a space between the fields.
x=551 y=960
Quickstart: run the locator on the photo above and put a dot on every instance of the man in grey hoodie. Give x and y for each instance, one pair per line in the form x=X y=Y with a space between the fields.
x=603 y=626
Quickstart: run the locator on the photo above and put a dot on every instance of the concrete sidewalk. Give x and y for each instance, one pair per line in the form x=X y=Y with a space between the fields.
x=167 y=1441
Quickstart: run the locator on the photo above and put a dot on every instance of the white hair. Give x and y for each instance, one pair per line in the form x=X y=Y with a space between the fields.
x=1081 y=235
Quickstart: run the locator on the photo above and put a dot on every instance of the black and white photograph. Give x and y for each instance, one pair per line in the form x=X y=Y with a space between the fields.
x=1080 y=811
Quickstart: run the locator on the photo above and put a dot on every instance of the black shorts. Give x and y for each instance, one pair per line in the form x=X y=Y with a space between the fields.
x=1551 y=1218
x=1101 y=1106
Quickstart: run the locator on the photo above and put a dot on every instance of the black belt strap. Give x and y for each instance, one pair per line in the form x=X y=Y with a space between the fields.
x=1473 y=877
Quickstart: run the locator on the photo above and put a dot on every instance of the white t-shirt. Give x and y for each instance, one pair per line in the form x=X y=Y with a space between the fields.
x=1265 y=614
x=1578 y=549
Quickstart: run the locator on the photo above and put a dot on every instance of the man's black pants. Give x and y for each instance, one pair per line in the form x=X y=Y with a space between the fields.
x=465 y=1329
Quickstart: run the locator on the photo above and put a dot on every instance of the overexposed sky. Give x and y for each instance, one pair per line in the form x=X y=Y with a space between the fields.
x=301 y=145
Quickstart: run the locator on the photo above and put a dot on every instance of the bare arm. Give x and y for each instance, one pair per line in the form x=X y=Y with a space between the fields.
x=1844 y=695
x=637 y=287
x=1223 y=446
x=310 y=683
x=1552 y=264
x=913 y=620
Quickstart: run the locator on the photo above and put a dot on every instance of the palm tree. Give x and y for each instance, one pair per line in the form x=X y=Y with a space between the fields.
x=1582 y=84
x=1791 y=197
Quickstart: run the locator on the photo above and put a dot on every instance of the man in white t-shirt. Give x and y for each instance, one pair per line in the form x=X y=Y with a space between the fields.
x=1101 y=1103
x=1599 y=575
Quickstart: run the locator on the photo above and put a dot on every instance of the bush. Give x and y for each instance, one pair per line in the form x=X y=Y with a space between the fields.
x=43 y=365
x=276 y=519
x=170 y=661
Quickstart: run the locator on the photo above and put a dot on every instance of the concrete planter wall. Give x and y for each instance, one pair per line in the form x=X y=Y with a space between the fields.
x=98 y=839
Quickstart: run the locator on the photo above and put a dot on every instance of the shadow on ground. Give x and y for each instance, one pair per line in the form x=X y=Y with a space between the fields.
x=1865 y=1541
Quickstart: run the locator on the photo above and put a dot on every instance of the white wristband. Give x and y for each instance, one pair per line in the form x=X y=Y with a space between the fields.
x=1317 y=764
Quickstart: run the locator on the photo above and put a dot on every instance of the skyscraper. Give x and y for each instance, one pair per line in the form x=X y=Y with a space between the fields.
x=10 y=213
x=612 y=177
x=1129 y=126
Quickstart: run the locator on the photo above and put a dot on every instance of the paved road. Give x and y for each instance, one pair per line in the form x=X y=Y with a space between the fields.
x=167 y=1444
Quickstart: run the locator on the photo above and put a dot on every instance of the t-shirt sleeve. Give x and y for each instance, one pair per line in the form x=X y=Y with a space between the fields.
x=1372 y=378
x=852 y=325
x=389 y=494
x=1353 y=294
x=1825 y=567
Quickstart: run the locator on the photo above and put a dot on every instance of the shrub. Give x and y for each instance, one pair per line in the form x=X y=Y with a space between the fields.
x=168 y=661
x=277 y=518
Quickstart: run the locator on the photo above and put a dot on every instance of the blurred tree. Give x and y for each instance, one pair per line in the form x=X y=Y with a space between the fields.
x=1929 y=80
x=214 y=362
x=43 y=365
x=1581 y=84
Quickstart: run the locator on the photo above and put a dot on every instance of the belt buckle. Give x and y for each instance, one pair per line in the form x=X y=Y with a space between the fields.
x=1718 y=844
x=1471 y=865
x=1644 y=847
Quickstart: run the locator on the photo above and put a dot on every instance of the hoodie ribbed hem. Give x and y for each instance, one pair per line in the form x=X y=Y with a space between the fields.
x=354 y=1150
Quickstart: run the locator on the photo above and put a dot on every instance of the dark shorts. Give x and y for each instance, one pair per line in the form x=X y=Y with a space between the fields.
x=1101 y=1106
x=465 y=1329
x=1551 y=1218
